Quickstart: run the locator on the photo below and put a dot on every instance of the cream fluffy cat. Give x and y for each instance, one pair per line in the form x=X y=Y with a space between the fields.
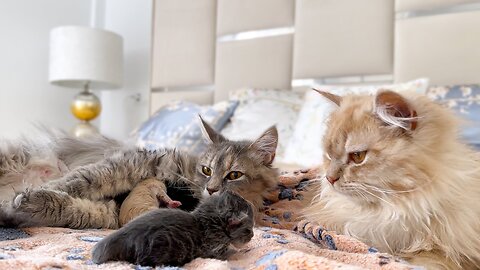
x=398 y=177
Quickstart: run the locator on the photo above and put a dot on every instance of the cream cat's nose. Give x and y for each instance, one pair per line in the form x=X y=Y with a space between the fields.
x=332 y=179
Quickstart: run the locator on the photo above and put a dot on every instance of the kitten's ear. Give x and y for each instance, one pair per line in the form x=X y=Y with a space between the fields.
x=394 y=110
x=209 y=134
x=235 y=221
x=332 y=97
x=266 y=145
x=227 y=199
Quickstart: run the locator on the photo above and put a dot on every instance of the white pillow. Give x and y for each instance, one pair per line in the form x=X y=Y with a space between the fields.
x=259 y=109
x=305 y=146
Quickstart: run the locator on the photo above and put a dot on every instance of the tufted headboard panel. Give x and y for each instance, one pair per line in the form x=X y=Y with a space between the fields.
x=203 y=49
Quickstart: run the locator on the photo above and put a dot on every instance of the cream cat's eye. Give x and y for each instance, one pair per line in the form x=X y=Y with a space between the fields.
x=234 y=175
x=357 y=157
x=207 y=171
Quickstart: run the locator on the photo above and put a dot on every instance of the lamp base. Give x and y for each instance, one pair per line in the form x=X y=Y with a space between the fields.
x=86 y=106
x=84 y=129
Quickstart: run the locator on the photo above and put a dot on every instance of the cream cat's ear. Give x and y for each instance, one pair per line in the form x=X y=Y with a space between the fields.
x=266 y=145
x=332 y=97
x=394 y=110
x=209 y=134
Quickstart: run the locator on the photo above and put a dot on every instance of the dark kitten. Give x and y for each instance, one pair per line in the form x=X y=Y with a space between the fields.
x=174 y=237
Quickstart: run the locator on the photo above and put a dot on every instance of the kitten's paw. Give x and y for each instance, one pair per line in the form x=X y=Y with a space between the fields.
x=174 y=204
x=310 y=229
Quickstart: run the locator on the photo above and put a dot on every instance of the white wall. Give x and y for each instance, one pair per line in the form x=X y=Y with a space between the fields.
x=25 y=94
x=132 y=19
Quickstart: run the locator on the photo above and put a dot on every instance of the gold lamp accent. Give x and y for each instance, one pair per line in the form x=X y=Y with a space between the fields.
x=86 y=106
x=85 y=57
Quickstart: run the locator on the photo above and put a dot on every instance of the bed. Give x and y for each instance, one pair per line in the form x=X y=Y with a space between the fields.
x=231 y=59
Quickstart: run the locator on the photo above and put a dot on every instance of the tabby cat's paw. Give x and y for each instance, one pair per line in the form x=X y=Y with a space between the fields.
x=311 y=230
x=20 y=199
x=30 y=201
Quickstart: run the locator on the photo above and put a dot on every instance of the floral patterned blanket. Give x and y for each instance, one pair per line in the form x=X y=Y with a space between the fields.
x=276 y=245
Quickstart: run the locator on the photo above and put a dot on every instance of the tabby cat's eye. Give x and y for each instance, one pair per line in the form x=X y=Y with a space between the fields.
x=357 y=157
x=206 y=170
x=234 y=175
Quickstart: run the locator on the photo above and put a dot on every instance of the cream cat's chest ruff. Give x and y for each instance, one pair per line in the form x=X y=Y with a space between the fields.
x=384 y=228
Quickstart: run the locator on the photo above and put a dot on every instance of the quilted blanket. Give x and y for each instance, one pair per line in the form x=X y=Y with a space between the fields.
x=276 y=245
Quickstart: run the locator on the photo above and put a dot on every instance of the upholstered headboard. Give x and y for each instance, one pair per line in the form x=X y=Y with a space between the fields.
x=202 y=49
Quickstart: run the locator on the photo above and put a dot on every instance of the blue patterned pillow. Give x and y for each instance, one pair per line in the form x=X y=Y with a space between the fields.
x=465 y=100
x=177 y=125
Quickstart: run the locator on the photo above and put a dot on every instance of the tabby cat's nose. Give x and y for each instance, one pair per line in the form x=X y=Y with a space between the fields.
x=332 y=179
x=211 y=190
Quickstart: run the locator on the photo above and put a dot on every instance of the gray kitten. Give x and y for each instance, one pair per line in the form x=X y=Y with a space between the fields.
x=83 y=198
x=175 y=237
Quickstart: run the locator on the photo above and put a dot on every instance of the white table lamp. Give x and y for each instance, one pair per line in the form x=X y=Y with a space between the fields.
x=88 y=58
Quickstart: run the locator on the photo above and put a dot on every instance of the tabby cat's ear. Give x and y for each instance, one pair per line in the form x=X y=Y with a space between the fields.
x=266 y=145
x=209 y=134
x=394 y=110
x=332 y=97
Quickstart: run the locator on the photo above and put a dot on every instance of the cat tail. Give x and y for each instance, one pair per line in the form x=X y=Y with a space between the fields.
x=76 y=152
x=48 y=145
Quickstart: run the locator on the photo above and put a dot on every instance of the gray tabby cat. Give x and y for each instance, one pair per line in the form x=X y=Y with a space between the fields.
x=83 y=198
x=46 y=155
x=174 y=237
x=29 y=162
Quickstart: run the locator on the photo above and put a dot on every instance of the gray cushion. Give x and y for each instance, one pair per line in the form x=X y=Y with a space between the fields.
x=177 y=125
x=465 y=101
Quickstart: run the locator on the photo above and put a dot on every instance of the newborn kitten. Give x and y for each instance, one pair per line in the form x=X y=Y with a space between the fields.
x=145 y=196
x=174 y=237
x=399 y=178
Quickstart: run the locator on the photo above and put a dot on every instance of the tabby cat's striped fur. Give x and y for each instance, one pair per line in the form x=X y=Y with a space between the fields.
x=101 y=169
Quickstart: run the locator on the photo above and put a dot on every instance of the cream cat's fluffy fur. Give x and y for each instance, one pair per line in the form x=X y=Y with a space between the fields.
x=416 y=192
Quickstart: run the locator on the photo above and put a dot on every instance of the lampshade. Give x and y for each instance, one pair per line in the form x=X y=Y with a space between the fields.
x=81 y=54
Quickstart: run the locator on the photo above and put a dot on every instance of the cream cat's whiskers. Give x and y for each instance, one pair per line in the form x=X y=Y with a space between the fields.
x=376 y=196
x=393 y=192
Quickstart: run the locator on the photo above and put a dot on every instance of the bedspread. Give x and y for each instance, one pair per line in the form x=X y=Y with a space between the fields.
x=275 y=244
